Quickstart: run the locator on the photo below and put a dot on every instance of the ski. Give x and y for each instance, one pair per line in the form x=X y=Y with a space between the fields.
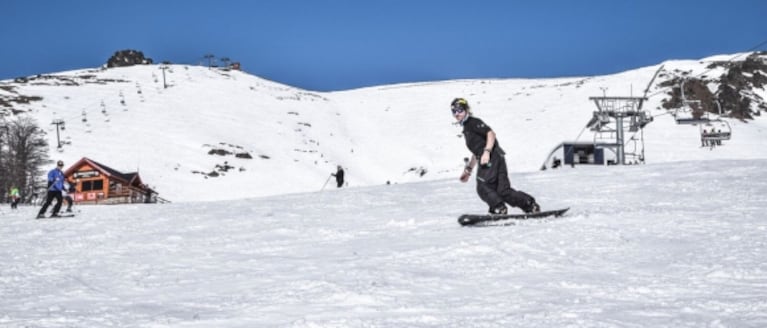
x=473 y=219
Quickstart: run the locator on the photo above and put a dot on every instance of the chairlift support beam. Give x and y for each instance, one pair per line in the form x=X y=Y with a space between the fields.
x=617 y=109
x=59 y=125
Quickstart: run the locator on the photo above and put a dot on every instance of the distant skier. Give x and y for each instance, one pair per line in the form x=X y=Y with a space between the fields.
x=339 y=176
x=493 y=185
x=55 y=187
x=15 y=197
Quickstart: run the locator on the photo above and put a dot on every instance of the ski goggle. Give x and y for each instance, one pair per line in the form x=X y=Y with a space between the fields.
x=459 y=105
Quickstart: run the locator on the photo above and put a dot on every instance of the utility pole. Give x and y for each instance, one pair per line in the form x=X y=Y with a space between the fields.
x=163 y=68
x=58 y=123
x=209 y=57
x=604 y=91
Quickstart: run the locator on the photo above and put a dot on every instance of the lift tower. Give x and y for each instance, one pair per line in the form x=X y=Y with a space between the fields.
x=608 y=122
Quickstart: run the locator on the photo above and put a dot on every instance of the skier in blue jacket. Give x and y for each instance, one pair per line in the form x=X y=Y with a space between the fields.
x=55 y=187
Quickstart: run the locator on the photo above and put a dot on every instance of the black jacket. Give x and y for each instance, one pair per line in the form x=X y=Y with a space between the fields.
x=339 y=176
x=475 y=132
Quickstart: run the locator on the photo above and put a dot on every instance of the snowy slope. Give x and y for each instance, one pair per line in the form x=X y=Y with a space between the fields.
x=661 y=245
x=123 y=117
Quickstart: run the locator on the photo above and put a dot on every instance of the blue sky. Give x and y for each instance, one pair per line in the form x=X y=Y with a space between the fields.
x=343 y=44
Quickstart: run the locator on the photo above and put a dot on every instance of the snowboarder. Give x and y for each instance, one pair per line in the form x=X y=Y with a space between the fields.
x=15 y=197
x=493 y=185
x=55 y=187
x=339 y=176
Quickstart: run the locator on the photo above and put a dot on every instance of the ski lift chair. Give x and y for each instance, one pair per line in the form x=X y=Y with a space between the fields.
x=714 y=131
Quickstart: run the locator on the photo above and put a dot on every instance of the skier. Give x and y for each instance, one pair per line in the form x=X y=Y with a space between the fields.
x=67 y=195
x=55 y=187
x=15 y=197
x=493 y=185
x=339 y=176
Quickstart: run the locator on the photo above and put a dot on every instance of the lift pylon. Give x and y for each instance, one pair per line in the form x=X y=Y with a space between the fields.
x=609 y=121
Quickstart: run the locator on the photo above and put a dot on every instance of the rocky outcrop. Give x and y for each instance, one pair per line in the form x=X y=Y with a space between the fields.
x=128 y=58
x=734 y=90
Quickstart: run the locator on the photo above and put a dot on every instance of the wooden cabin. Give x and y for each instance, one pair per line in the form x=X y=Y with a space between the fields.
x=96 y=183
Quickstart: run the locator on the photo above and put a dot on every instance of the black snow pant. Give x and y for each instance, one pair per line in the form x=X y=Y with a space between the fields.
x=48 y=199
x=69 y=201
x=494 y=188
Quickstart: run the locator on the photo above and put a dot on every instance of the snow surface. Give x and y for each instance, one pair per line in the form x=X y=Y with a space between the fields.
x=661 y=245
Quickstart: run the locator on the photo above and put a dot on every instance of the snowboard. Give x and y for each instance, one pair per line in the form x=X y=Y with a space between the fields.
x=61 y=216
x=473 y=219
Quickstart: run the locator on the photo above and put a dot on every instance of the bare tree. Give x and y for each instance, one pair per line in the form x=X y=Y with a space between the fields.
x=4 y=157
x=24 y=157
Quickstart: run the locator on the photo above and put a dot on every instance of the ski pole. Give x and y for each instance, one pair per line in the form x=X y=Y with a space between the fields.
x=326 y=182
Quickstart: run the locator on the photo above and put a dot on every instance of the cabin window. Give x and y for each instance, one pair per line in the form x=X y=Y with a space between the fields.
x=92 y=185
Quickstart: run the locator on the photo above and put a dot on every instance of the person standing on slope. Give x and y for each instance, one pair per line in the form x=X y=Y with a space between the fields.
x=55 y=187
x=339 y=176
x=15 y=197
x=493 y=185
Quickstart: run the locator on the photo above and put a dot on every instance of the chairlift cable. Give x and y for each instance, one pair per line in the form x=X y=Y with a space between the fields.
x=581 y=133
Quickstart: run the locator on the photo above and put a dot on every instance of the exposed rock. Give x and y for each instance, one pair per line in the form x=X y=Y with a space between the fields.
x=734 y=92
x=128 y=58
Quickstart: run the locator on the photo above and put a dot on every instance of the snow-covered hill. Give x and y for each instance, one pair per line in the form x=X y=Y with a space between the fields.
x=127 y=119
